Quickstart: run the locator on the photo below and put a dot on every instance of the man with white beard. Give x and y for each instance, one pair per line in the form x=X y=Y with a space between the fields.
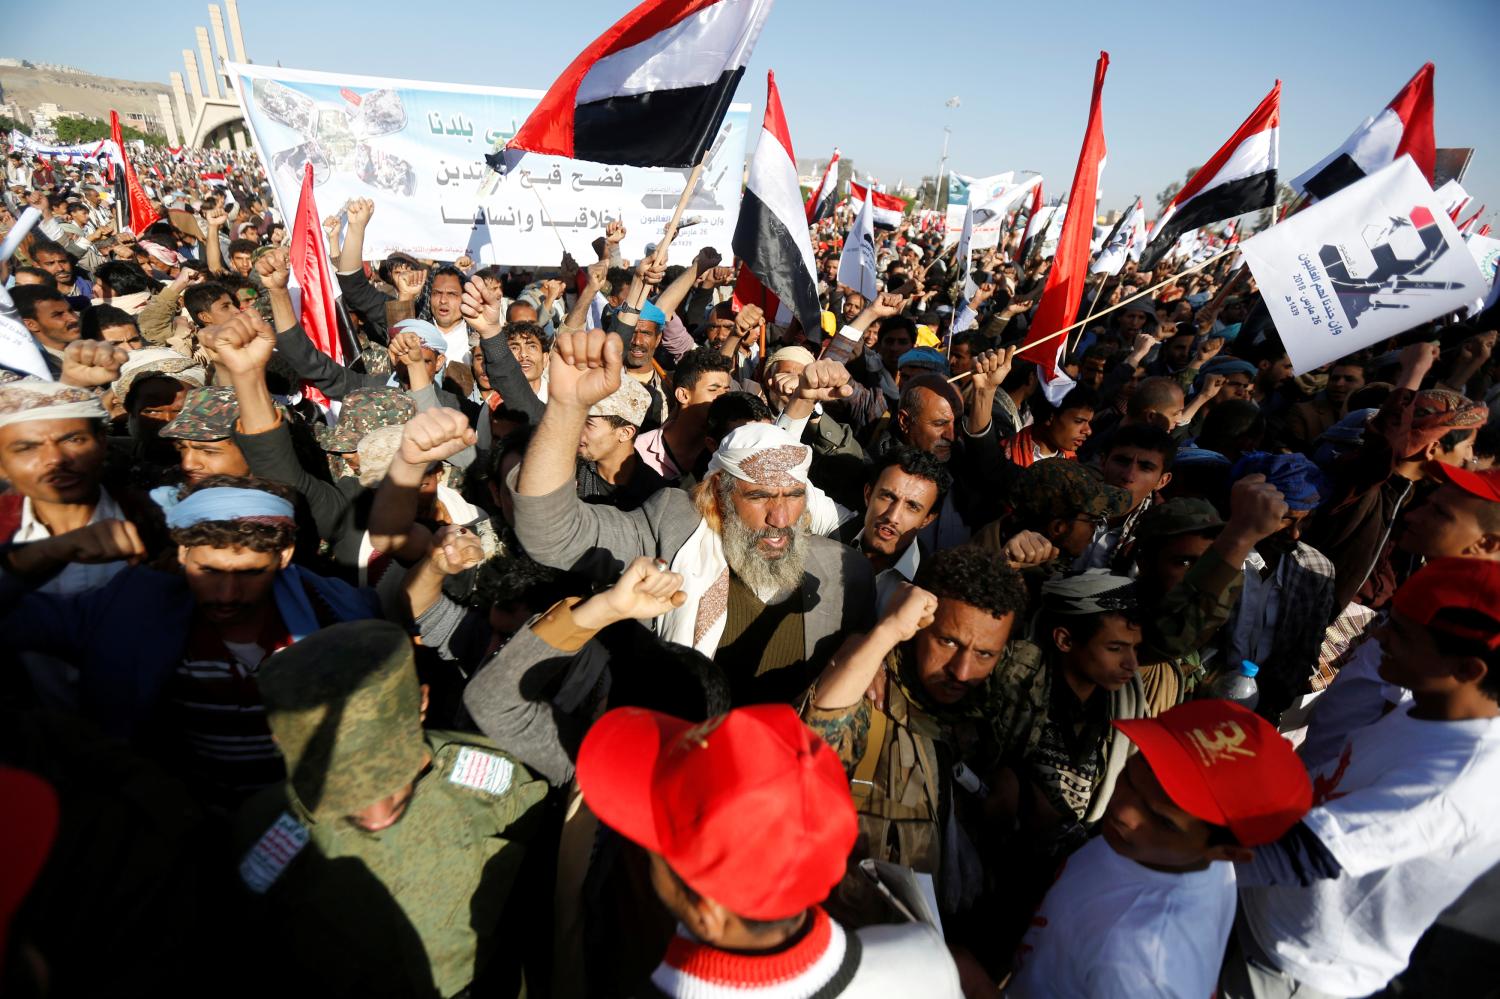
x=767 y=598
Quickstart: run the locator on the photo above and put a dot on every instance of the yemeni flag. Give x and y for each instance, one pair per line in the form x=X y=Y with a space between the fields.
x=1031 y=213
x=141 y=212
x=885 y=209
x=1063 y=291
x=1403 y=128
x=1465 y=228
x=771 y=238
x=820 y=202
x=650 y=91
x=1240 y=178
x=314 y=276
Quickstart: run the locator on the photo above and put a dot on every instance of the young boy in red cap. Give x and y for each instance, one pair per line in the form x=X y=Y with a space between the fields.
x=1147 y=907
x=1406 y=816
x=748 y=822
x=1459 y=519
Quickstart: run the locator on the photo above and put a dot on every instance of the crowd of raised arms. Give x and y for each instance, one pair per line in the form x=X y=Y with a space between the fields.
x=551 y=646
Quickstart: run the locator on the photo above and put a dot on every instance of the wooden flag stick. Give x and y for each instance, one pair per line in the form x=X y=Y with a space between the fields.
x=660 y=256
x=1123 y=302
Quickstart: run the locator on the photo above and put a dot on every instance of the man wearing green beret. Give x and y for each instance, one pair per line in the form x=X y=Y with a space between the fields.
x=385 y=861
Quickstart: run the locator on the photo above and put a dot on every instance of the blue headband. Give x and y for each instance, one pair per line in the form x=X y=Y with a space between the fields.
x=228 y=503
x=651 y=314
x=431 y=336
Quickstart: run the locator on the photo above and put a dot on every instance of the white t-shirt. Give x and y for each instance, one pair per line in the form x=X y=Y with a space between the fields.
x=1110 y=927
x=1358 y=696
x=1410 y=810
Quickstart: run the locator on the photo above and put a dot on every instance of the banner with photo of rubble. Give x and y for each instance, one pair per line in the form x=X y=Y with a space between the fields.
x=418 y=151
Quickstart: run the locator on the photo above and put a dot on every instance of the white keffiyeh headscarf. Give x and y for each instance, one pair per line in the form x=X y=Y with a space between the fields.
x=756 y=452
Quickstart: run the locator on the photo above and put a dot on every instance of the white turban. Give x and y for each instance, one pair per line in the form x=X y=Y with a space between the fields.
x=28 y=399
x=764 y=454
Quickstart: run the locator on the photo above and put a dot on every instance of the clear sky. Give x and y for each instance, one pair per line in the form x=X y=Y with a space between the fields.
x=871 y=76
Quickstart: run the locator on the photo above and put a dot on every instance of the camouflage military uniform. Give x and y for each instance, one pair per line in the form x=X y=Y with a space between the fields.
x=904 y=762
x=1177 y=626
x=415 y=908
x=208 y=414
x=363 y=410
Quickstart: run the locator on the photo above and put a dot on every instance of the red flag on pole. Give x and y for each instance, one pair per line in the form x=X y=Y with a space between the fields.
x=1064 y=288
x=310 y=267
x=141 y=212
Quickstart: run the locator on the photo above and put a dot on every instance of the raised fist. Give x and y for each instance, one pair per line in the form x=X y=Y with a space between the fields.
x=360 y=210
x=585 y=367
x=435 y=435
x=274 y=267
x=241 y=345
x=91 y=363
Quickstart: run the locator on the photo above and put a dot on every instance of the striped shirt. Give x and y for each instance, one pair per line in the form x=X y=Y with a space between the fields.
x=219 y=717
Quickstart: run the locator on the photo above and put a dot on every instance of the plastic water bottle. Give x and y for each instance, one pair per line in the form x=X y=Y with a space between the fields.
x=1238 y=686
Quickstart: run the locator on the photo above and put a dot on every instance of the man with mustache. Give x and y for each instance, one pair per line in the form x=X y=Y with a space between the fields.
x=766 y=598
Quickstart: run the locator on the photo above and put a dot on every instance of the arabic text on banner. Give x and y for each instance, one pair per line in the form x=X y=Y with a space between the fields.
x=1372 y=261
x=417 y=150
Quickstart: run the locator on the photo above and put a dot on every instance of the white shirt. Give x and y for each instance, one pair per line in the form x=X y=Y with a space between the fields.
x=458 y=343
x=77 y=577
x=1409 y=809
x=903 y=570
x=1110 y=927
x=1358 y=696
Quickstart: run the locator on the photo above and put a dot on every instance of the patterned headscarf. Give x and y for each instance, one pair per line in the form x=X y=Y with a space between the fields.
x=764 y=454
x=27 y=399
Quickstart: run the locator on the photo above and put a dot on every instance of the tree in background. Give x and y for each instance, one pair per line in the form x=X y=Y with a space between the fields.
x=72 y=131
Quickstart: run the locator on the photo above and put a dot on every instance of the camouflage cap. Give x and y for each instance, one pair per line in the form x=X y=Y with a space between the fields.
x=364 y=410
x=1183 y=515
x=208 y=414
x=1062 y=487
x=346 y=710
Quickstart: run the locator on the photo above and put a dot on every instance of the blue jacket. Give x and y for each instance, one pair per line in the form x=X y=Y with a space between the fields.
x=127 y=637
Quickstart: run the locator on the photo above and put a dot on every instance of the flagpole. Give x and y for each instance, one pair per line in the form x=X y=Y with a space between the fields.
x=670 y=232
x=1123 y=302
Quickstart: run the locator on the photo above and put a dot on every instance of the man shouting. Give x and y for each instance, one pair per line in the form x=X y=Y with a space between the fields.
x=767 y=598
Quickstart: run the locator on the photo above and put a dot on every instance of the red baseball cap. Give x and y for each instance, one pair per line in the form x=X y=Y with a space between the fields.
x=1485 y=485
x=751 y=808
x=1447 y=584
x=1226 y=765
x=26 y=838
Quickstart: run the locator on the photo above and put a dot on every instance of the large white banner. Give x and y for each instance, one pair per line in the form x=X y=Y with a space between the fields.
x=992 y=196
x=1372 y=261
x=418 y=151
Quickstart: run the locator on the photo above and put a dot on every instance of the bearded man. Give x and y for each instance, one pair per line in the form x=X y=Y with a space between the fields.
x=767 y=597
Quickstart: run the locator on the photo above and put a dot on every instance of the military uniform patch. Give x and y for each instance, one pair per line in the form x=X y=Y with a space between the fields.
x=272 y=853
x=482 y=771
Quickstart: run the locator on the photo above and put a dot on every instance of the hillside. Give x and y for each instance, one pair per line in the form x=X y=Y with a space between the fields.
x=79 y=93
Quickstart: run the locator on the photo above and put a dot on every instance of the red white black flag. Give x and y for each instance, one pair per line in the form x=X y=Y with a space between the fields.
x=886 y=208
x=1403 y=127
x=650 y=91
x=771 y=238
x=1240 y=178
x=820 y=201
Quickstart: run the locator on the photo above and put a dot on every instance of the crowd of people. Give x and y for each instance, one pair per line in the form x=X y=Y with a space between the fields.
x=591 y=633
